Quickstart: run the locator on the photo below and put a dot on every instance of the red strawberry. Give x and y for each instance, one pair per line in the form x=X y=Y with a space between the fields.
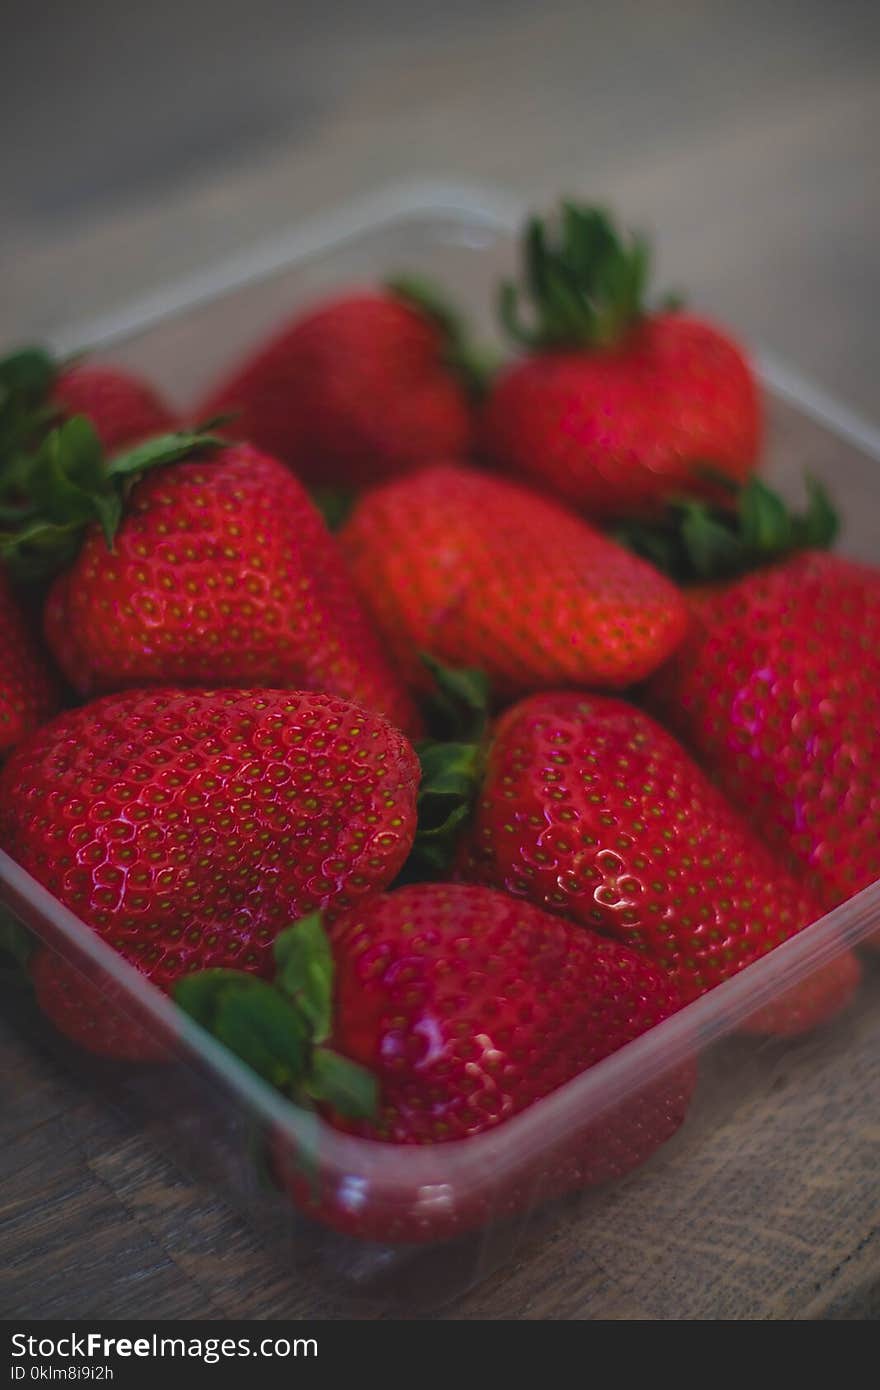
x=221 y=571
x=590 y=809
x=469 y=1006
x=82 y=1011
x=616 y=408
x=466 y=1007
x=27 y=690
x=481 y=572
x=121 y=407
x=819 y=997
x=187 y=827
x=36 y=391
x=776 y=693
x=358 y=389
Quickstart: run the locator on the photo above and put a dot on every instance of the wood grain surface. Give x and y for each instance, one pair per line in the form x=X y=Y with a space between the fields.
x=745 y=136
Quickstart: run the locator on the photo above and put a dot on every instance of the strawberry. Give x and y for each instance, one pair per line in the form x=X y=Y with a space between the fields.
x=775 y=692
x=83 y=1011
x=36 y=391
x=589 y=808
x=219 y=570
x=465 y=1007
x=187 y=827
x=480 y=572
x=615 y=407
x=28 y=695
x=360 y=388
x=122 y=408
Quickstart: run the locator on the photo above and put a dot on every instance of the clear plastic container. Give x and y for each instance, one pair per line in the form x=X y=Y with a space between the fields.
x=778 y=1140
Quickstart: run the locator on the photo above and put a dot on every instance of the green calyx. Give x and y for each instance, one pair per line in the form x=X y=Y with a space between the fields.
x=584 y=278
x=66 y=484
x=701 y=541
x=280 y=1029
x=335 y=505
x=26 y=379
x=452 y=768
x=451 y=774
x=473 y=365
x=457 y=707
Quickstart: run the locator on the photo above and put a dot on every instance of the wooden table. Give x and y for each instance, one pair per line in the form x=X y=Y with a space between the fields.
x=749 y=143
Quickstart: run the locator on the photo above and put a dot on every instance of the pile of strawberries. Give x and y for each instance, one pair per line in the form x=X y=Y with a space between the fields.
x=387 y=808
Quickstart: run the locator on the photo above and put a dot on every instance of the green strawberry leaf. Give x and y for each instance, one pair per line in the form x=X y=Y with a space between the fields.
x=34 y=549
x=820 y=526
x=262 y=1028
x=451 y=777
x=335 y=505
x=65 y=474
x=709 y=544
x=508 y=310
x=765 y=522
x=304 y=961
x=199 y=994
x=451 y=762
x=422 y=294
x=161 y=450
x=653 y=542
x=67 y=484
x=586 y=281
x=26 y=379
x=458 y=706
x=278 y=1029
x=704 y=541
x=348 y=1087
x=29 y=372
x=474 y=366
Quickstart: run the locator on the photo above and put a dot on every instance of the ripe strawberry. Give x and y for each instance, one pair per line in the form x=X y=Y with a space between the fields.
x=37 y=392
x=188 y=827
x=616 y=408
x=820 y=996
x=465 y=1008
x=589 y=808
x=81 y=1009
x=122 y=408
x=480 y=572
x=27 y=690
x=775 y=692
x=220 y=571
x=362 y=387
x=469 y=1006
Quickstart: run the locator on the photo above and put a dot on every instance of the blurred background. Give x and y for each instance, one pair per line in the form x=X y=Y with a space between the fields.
x=141 y=141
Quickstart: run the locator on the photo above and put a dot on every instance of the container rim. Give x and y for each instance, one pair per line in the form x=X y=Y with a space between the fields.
x=494 y=209
x=496 y=1153
x=486 y=1158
